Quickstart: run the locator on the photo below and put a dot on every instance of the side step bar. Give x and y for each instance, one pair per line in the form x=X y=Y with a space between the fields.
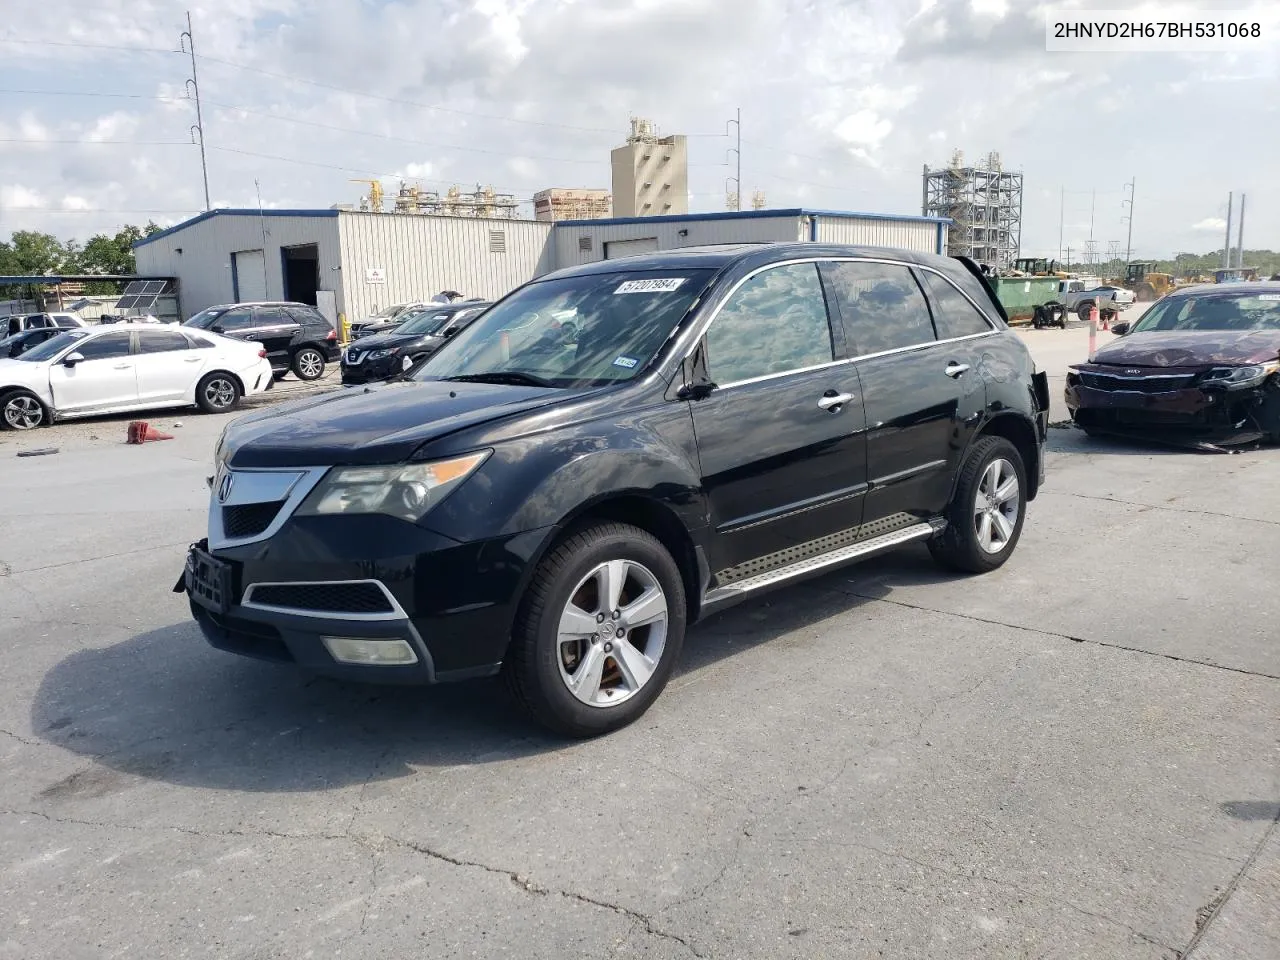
x=854 y=551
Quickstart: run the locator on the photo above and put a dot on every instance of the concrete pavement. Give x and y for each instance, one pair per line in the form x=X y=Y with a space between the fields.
x=1075 y=756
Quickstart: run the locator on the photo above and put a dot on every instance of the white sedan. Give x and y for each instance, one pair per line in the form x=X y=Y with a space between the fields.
x=123 y=367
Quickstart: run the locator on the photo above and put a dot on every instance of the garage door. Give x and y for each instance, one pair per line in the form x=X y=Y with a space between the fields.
x=249 y=271
x=629 y=248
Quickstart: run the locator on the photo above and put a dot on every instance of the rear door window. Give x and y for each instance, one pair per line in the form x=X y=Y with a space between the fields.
x=776 y=322
x=272 y=317
x=953 y=315
x=161 y=341
x=881 y=305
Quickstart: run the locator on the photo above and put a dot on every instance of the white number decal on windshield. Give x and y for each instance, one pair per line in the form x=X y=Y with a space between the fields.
x=659 y=285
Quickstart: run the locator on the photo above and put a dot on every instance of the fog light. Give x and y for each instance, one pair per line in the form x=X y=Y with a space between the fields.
x=375 y=652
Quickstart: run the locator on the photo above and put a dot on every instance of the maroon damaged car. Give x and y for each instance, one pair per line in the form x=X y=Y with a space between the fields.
x=1202 y=364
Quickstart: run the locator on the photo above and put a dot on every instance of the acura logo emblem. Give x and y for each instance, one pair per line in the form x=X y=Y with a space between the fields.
x=224 y=487
x=1133 y=372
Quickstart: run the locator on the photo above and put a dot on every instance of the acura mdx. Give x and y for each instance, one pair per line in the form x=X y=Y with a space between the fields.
x=613 y=451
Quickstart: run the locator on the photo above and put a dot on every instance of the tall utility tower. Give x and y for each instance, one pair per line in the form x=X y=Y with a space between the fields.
x=984 y=203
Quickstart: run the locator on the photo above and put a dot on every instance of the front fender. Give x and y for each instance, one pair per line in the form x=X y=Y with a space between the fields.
x=542 y=480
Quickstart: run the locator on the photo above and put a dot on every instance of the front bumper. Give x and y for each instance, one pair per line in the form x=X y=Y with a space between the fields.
x=1192 y=412
x=372 y=371
x=452 y=603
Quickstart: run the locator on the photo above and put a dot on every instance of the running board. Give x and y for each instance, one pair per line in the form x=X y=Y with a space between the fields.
x=822 y=561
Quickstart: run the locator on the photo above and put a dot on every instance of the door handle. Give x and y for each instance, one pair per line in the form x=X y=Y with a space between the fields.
x=834 y=401
x=954 y=369
x=191 y=359
x=122 y=366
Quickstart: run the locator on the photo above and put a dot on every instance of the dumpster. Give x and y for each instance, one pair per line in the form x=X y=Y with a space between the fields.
x=1021 y=296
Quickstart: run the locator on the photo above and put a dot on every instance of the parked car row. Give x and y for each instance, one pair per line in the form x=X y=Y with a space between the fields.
x=17 y=323
x=296 y=336
x=390 y=353
x=613 y=451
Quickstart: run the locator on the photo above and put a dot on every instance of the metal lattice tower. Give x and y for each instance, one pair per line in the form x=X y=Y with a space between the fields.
x=984 y=203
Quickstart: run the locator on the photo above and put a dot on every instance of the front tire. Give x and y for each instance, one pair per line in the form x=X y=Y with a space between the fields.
x=20 y=410
x=984 y=518
x=1083 y=310
x=218 y=393
x=598 y=632
x=308 y=364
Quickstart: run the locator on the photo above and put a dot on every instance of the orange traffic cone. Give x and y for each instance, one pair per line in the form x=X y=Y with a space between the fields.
x=142 y=432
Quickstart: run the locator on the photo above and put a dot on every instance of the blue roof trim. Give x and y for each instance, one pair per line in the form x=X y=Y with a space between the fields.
x=231 y=212
x=752 y=215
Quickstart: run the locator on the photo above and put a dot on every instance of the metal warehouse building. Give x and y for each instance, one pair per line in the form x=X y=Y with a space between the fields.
x=353 y=263
x=585 y=241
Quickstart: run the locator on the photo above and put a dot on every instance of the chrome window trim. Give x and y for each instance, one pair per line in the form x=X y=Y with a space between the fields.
x=395 y=613
x=700 y=330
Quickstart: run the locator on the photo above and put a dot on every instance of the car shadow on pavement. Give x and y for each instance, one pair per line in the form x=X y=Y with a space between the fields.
x=1071 y=440
x=164 y=706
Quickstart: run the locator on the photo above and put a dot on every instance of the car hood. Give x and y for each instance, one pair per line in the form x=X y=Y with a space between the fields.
x=382 y=341
x=382 y=424
x=1191 y=348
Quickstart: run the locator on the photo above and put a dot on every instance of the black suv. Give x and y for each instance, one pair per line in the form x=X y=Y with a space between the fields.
x=383 y=355
x=296 y=336
x=613 y=451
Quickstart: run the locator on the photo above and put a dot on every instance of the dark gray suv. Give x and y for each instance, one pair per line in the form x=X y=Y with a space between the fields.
x=296 y=336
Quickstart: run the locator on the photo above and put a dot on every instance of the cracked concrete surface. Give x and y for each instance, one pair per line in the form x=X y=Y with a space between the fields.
x=1073 y=757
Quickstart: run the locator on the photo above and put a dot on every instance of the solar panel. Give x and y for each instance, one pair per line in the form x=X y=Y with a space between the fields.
x=127 y=303
x=155 y=286
x=135 y=287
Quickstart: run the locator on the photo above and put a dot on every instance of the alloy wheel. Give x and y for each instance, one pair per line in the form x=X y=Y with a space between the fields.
x=23 y=413
x=996 y=506
x=310 y=363
x=612 y=633
x=220 y=393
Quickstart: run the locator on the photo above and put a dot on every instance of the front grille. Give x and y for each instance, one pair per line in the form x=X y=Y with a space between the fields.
x=249 y=519
x=354 y=356
x=323 y=597
x=1154 y=383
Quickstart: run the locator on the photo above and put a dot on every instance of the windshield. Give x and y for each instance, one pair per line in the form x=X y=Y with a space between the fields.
x=388 y=313
x=53 y=346
x=1231 y=311
x=205 y=318
x=574 y=332
x=426 y=321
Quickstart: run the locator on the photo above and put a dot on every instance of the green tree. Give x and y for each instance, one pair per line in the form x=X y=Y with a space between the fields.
x=40 y=254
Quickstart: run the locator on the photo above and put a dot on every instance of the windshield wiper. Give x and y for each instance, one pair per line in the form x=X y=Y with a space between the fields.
x=504 y=376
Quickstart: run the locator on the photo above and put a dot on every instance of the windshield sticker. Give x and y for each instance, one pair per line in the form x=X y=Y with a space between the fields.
x=1269 y=296
x=628 y=362
x=658 y=285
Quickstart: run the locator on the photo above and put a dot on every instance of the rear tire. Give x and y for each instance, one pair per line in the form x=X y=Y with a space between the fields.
x=218 y=393
x=1082 y=311
x=984 y=518
x=308 y=364
x=575 y=667
x=21 y=410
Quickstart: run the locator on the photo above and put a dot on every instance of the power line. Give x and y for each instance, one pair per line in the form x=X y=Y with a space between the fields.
x=90 y=143
x=89 y=46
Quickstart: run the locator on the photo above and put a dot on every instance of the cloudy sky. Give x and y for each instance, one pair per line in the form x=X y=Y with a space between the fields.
x=843 y=102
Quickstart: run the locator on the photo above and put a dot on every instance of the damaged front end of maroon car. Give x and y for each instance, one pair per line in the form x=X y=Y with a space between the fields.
x=1203 y=366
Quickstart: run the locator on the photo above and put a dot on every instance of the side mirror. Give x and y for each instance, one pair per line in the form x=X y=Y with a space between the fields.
x=216 y=328
x=72 y=358
x=449 y=332
x=1121 y=328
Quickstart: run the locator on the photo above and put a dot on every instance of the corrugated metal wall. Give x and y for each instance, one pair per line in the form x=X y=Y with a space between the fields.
x=918 y=235
x=569 y=253
x=203 y=268
x=420 y=256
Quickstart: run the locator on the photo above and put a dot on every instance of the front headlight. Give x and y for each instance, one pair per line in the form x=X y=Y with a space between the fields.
x=1237 y=378
x=406 y=491
x=379 y=354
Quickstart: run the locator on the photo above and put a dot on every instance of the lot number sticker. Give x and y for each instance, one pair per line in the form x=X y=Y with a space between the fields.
x=657 y=285
x=628 y=362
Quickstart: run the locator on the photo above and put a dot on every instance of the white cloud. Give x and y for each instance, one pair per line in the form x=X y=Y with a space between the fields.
x=1210 y=225
x=71 y=202
x=842 y=105
x=17 y=197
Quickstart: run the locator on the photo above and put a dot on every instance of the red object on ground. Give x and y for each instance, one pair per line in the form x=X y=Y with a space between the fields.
x=142 y=432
